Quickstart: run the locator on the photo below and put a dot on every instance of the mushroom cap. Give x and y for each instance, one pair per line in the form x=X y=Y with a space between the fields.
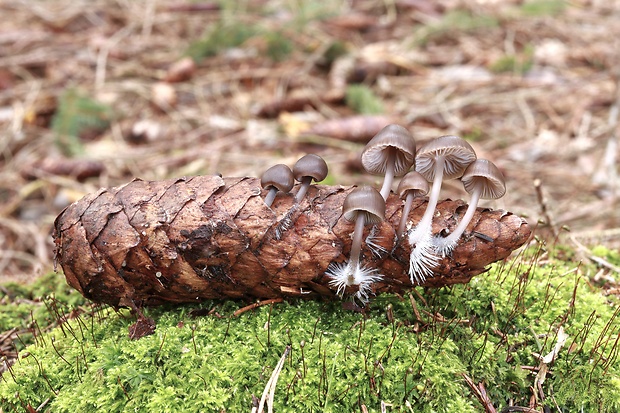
x=413 y=181
x=310 y=165
x=458 y=154
x=485 y=173
x=364 y=200
x=279 y=176
x=376 y=153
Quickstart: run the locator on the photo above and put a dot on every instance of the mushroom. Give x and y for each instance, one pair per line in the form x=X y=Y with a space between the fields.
x=410 y=186
x=445 y=157
x=390 y=152
x=481 y=179
x=363 y=205
x=277 y=178
x=308 y=168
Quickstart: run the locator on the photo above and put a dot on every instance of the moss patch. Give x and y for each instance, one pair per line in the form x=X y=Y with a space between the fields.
x=409 y=353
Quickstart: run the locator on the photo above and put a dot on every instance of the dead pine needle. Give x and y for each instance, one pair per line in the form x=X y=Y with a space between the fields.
x=544 y=208
x=480 y=393
x=270 y=388
x=256 y=305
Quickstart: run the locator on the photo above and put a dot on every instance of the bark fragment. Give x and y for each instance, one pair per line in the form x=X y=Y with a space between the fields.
x=205 y=237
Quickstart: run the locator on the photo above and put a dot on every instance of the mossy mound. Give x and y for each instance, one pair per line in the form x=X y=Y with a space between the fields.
x=408 y=353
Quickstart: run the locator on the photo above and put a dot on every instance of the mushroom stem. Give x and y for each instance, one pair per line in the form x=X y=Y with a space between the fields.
x=447 y=244
x=356 y=243
x=271 y=195
x=389 y=174
x=423 y=257
x=405 y=215
x=303 y=188
x=425 y=224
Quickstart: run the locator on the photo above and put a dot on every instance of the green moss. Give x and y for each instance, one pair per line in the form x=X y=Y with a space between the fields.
x=363 y=100
x=611 y=256
x=519 y=64
x=220 y=37
x=35 y=305
x=453 y=22
x=279 y=47
x=543 y=7
x=489 y=330
x=333 y=52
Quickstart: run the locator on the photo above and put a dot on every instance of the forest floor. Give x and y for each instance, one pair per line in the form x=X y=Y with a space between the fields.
x=95 y=93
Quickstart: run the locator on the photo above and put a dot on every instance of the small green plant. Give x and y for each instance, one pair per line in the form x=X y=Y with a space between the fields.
x=543 y=7
x=476 y=134
x=455 y=21
x=333 y=52
x=362 y=99
x=279 y=47
x=220 y=37
x=78 y=113
x=518 y=64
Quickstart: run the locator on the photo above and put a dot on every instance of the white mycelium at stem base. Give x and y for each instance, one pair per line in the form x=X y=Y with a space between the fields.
x=443 y=158
x=363 y=205
x=390 y=152
x=483 y=180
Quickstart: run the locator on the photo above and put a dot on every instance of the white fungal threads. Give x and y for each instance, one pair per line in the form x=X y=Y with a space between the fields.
x=483 y=180
x=363 y=205
x=443 y=158
x=423 y=257
x=373 y=243
x=344 y=275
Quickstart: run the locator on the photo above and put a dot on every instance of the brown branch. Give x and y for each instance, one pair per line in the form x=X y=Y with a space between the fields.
x=189 y=239
x=252 y=306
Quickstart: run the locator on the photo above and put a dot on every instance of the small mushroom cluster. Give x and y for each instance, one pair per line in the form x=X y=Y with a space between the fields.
x=392 y=153
x=279 y=177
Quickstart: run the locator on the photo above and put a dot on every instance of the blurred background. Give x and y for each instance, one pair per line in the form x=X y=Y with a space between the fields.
x=94 y=93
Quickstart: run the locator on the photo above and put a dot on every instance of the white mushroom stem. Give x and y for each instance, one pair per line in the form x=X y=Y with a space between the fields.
x=356 y=243
x=425 y=224
x=406 y=209
x=271 y=195
x=389 y=174
x=303 y=188
x=351 y=272
x=447 y=244
x=423 y=258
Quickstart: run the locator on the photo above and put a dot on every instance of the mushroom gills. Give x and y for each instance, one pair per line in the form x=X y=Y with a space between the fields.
x=390 y=152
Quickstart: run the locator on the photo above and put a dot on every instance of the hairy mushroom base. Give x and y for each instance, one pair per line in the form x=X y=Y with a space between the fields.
x=363 y=205
x=442 y=158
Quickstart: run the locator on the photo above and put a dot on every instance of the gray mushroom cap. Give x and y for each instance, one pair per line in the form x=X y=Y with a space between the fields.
x=310 y=165
x=412 y=181
x=279 y=176
x=364 y=200
x=376 y=153
x=458 y=154
x=484 y=173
